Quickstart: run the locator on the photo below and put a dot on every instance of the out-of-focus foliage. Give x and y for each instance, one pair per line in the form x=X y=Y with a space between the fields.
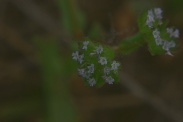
x=73 y=20
x=56 y=71
x=35 y=75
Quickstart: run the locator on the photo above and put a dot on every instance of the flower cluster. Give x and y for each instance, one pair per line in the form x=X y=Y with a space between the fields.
x=163 y=37
x=95 y=66
x=153 y=16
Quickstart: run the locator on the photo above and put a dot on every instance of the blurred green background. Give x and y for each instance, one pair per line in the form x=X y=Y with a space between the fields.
x=38 y=80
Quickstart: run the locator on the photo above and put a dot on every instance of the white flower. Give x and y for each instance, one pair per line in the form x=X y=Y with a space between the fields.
x=102 y=60
x=81 y=72
x=108 y=79
x=99 y=49
x=150 y=18
x=80 y=58
x=172 y=33
x=115 y=65
x=159 y=41
x=91 y=68
x=156 y=34
x=169 y=30
x=158 y=13
x=107 y=70
x=91 y=81
x=75 y=55
x=85 y=44
x=176 y=33
x=167 y=45
x=153 y=15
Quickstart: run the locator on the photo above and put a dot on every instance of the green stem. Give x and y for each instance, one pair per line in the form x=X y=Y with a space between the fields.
x=131 y=44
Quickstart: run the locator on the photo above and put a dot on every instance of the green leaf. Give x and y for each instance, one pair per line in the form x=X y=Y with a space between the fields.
x=55 y=72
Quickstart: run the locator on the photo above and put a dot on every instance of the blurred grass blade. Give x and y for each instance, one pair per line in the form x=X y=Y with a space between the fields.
x=73 y=19
x=55 y=85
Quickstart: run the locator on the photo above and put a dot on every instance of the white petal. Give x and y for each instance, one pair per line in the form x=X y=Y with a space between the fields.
x=91 y=81
x=102 y=60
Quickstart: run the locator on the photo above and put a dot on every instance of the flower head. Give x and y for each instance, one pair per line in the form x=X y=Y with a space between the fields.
x=102 y=60
x=85 y=44
x=156 y=34
x=173 y=33
x=75 y=55
x=176 y=33
x=167 y=45
x=115 y=65
x=99 y=49
x=154 y=15
x=80 y=58
x=81 y=72
x=94 y=66
x=91 y=81
x=158 y=13
x=158 y=40
x=107 y=70
x=150 y=18
x=108 y=79
x=90 y=68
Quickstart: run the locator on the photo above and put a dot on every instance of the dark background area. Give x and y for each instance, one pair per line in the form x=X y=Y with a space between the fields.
x=151 y=87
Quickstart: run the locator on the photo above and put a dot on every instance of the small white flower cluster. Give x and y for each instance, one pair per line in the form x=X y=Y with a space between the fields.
x=166 y=44
x=78 y=57
x=114 y=67
x=172 y=33
x=152 y=16
x=87 y=68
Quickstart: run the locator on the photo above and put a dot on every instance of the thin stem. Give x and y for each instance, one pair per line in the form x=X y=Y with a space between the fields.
x=130 y=44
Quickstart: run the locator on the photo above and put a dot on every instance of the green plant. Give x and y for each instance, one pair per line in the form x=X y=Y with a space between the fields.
x=96 y=64
x=95 y=61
